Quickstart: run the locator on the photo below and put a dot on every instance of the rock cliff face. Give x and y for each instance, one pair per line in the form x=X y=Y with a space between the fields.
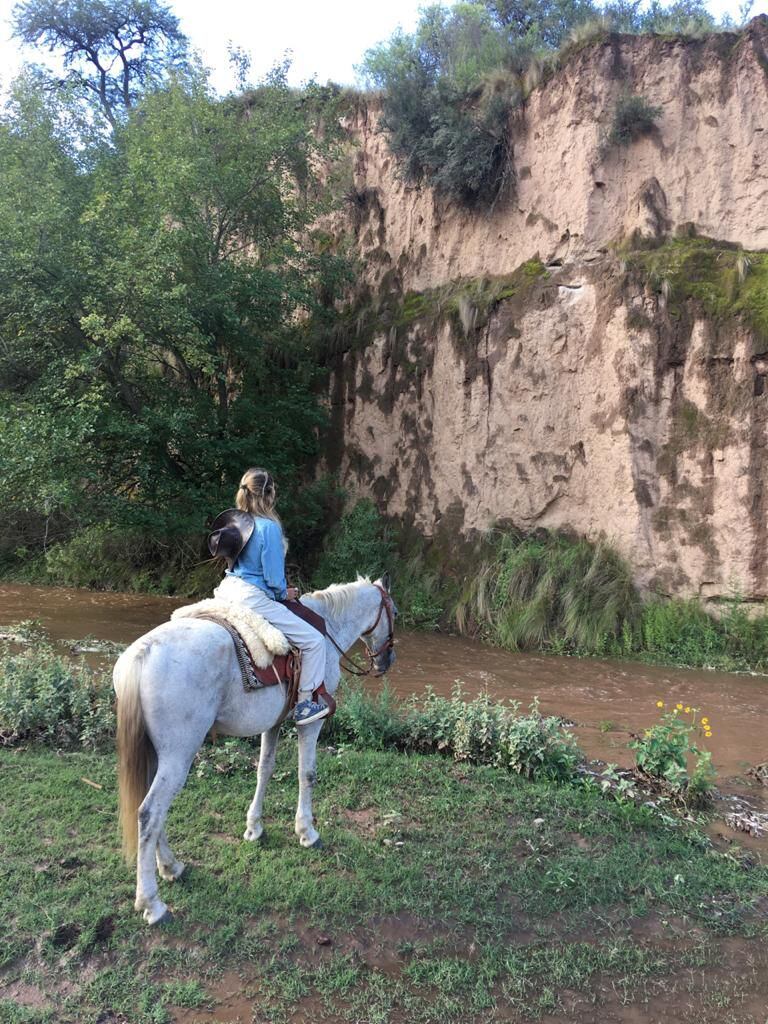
x=532 y=364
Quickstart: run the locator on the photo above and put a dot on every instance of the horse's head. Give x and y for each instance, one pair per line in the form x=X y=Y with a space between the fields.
x=380 y=637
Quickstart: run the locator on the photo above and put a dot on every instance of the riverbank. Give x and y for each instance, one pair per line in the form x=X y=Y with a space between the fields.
x=608 y=700
x=445 y=892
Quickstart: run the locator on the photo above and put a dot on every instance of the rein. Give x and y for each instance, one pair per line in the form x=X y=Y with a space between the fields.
x=351 y=667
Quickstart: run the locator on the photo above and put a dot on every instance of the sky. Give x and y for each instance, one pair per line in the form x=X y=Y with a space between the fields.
x=326 y=37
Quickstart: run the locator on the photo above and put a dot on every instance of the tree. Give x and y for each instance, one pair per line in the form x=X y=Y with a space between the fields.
x=543 y=22
x=112 y=49
x=153 y=304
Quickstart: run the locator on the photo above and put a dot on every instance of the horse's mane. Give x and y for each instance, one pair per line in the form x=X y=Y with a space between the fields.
x=339 y=596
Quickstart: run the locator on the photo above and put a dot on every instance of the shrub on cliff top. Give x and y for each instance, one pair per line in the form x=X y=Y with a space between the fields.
x=443 y=120
x=450 y=87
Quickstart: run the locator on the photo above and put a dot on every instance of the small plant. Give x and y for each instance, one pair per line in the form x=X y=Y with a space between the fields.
x=26 y=632
x=479 y=731
x=538 y=747
x=225 y=758
x=668 y=754
x=634 y=116
x=621 y=787
x=47 y=699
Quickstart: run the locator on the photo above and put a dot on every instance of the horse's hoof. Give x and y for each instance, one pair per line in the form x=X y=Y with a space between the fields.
x=253 y=835
x=317 y=845
x=174 y=873
x=158 y=913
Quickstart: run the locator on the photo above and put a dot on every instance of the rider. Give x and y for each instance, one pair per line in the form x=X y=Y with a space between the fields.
x=257 y=580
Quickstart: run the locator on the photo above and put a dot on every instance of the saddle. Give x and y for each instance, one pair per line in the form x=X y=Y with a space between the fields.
x=264 y=656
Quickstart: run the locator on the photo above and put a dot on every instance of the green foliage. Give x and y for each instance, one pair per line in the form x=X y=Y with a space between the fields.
x=727 y=282
x=450 y=87
x=549 y=22
x=478 y=731
x=688 y=17
x=373 y=722
x=633 y=117
x=152 y=292
x=440 y=119
x=108 y=557
x=48 y=699
x=550 y=591
x=684 y=633
x=360 y=544
x=420 y=593
x=668 y=754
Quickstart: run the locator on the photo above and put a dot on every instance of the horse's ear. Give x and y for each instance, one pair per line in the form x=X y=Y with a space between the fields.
x=386 y=582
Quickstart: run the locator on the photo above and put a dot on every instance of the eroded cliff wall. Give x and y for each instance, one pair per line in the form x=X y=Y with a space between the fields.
x=529 y=364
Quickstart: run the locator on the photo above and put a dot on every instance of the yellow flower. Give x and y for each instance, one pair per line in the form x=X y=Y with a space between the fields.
x=687 y=711
x=679 y=707
x=707 y=734
x=659 y=703
x=705 y=721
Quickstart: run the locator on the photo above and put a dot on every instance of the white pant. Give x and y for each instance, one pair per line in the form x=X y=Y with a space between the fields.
x=310 y=642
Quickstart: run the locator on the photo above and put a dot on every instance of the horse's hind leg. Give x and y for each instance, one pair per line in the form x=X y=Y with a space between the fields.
x=254 y=827
x=305 y=828
x=170 y=869
x=171 y=775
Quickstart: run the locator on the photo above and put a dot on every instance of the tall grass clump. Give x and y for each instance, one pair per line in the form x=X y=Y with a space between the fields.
x=552 y=592
x=45 y=698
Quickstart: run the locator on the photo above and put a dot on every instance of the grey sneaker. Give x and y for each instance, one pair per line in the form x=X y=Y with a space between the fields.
x=309 y=711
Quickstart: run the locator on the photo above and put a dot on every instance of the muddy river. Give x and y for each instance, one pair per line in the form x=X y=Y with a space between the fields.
x=605 y=699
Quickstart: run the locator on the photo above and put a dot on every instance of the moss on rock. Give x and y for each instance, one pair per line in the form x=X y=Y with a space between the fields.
x=728 y=282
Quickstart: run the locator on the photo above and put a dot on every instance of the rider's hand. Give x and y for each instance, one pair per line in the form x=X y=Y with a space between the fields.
x=292 y=594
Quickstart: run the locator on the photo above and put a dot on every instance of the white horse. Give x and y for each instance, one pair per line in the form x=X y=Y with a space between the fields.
x=180 y=681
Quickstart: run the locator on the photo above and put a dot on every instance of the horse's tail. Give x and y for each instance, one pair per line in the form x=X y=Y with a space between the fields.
x=134 y=747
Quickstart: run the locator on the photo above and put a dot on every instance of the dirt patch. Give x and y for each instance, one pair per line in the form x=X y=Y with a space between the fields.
x=231 y=1001
x=362 y=821
x=25 y=995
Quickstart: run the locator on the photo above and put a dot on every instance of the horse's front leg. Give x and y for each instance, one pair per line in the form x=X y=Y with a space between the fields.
x=254 y=827
x=305 y=829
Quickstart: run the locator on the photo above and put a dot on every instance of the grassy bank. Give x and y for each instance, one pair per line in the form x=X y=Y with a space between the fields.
x=46 y=698
x=446 y=892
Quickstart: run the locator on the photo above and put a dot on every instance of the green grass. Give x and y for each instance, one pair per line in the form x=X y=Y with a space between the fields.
x=438 y=898
x=728 y=283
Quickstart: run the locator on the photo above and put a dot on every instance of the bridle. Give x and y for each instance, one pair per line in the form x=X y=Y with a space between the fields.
x=386 y=605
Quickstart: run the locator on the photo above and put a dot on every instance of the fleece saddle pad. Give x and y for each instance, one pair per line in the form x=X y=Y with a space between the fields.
x=264 y=655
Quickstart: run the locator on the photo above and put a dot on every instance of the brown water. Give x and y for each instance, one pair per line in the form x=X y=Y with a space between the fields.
x=606 y=699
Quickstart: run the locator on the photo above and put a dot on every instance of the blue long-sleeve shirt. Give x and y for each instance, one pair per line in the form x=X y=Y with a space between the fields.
x=262 y=560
